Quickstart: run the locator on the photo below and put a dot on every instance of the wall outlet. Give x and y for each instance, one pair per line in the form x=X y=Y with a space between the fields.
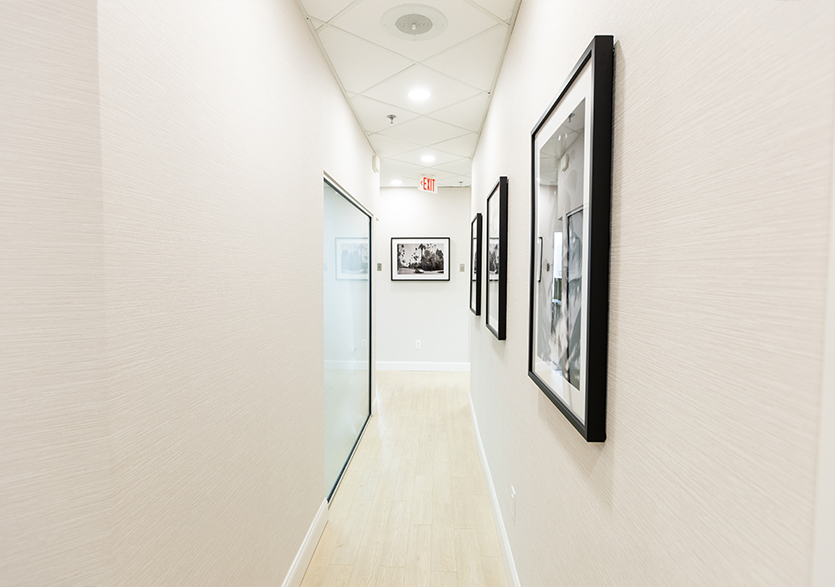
x=365 y=343
x=461 y=268
x=379 y=266
x=512 y=503
x=417 y=344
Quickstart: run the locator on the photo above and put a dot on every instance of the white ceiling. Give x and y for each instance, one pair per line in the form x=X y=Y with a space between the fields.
x=378 y=68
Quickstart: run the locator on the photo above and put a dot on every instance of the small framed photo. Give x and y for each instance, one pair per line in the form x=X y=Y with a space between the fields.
x=352 y=258
x=475 y=260
x=571 y=146
x=497 y=259
x=420 y=259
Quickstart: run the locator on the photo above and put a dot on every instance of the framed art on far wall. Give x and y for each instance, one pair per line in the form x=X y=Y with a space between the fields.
x=352 y=258
x=497 y=259
x=420 y=259
x=571 y=170
x=475 y=265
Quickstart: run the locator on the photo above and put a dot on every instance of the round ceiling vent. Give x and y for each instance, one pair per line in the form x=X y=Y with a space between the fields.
x=415 y=22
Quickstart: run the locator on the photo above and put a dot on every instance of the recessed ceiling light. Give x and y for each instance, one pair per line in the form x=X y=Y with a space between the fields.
x=428 y=158
x=396 y=182
x=420 y=94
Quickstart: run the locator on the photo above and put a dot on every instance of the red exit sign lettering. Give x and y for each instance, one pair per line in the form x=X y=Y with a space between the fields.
x=427 y=184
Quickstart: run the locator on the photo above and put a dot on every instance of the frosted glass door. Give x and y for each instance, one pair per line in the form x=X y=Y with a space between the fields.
x=347 y=265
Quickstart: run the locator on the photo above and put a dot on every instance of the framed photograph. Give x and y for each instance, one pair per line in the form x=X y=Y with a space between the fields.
x=352 y=258
x=420 y=259
x=497 y=259
x=493 y=258
x=571 y=201
x=475 y=264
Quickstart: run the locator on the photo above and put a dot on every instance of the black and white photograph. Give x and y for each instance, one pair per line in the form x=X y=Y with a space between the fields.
x=570 y=245
x=420 y=259
x=352 y=258
x=493 y=258
x=475 y=259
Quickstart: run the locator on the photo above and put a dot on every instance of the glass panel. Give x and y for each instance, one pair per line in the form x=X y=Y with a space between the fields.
x=347 y=299
x=559 y=294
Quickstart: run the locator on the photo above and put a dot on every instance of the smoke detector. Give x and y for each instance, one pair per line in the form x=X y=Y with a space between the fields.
x=414 y=22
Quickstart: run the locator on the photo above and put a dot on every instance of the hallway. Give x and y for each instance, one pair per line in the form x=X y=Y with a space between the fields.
x=413 y=508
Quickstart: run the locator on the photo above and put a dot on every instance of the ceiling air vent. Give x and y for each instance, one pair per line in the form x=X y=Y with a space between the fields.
x=415 y=22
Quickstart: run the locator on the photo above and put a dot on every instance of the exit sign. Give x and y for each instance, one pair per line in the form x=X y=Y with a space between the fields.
x=427 y=184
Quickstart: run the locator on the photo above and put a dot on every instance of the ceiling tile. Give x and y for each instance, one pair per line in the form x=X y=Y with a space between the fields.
x=463 y=146
x=475 y=61
x=445 y=91
x=468 y=114
x=416 y=175
x=455 y=182
x=436 y=173
x=405 y=182
x=501 y=8
x=386 y=146
x=458 y=167
x=373 y=114
x=424 y=131
x=358 y=63
x=325 y=9
x=390 y=167
x=414 y=157
x=463 y=21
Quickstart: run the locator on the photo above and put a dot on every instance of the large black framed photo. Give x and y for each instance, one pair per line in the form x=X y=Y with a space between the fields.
x=497 y=259
x=569 y=281
x=475 y=265
x=420 y=259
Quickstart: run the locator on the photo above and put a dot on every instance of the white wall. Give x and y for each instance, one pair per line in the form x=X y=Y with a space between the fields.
x=721 y=196
x=434 y=312
x=55 y=482
x=162 y=416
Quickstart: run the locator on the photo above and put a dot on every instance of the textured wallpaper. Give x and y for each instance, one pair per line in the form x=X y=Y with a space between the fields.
x=161 y=337
x=720 y=217
x=55 y=486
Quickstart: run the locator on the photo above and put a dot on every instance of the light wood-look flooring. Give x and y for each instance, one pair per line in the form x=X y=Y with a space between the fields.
x=413 y=508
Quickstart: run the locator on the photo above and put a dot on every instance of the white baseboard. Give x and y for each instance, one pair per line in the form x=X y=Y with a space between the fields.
x=507 y=554
x=299 y=567
x=421 y=366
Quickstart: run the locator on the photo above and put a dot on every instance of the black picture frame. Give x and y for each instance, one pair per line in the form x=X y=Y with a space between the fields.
x=496 y=281
x=568 y=330
x=414 y=244
x=475 y=265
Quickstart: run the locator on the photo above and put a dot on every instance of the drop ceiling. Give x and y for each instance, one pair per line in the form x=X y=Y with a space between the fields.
x=377 y=66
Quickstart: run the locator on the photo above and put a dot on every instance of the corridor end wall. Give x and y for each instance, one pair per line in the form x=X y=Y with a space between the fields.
x=723 y=127
x=432 y=312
